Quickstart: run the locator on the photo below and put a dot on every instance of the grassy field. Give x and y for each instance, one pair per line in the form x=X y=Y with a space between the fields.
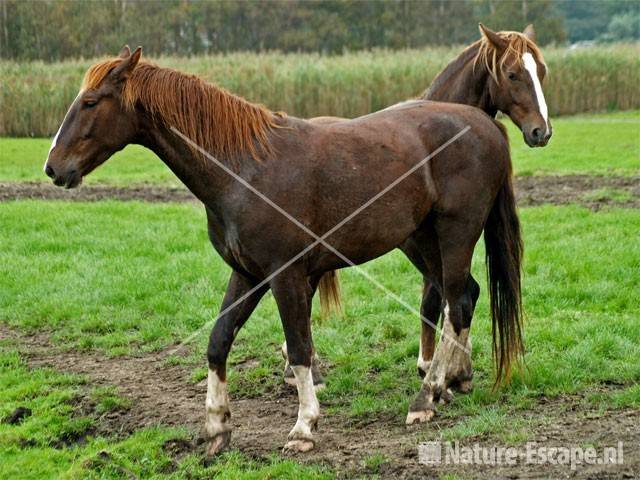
x=36 y=95
x=129 y=277
x=36 y=448
x=594 y=144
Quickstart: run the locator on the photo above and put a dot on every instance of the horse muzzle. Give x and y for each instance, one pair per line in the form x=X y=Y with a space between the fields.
x=537 y=137
x=63 y=178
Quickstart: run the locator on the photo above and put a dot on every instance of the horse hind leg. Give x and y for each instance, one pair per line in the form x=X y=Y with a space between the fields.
x=451 y=359
x=423 y=252
x=430 y=312
x=293 y=295
x=289 y=377
x=462 y=379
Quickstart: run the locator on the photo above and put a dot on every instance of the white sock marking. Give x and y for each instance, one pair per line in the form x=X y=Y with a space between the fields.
x=532 y=67
x=309 y=408
x=217 y=405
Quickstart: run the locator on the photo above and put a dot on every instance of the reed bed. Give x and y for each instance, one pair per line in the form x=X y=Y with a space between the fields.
x=35 y=95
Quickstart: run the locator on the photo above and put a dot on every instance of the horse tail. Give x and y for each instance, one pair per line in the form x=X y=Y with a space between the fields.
x=330 y=296
x=504 y=251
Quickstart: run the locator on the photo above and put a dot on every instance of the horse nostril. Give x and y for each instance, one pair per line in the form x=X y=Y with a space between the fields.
x=536 y=133
x=49 y=171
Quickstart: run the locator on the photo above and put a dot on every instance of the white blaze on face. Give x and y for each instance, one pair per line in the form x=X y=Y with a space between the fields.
x=55 y=139
x=532 y=67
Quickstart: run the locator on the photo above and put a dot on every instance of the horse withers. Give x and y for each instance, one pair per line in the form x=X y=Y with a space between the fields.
x=288 y=200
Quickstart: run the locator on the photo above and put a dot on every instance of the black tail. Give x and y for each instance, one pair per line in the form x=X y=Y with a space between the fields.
x=504 y=250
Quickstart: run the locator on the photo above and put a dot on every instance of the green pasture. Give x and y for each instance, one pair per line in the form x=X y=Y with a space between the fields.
x=121 y=277
x=36 y=448
x=592 y=144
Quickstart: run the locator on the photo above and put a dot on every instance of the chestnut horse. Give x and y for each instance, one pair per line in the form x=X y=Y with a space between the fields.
x=288 y=200
x=502 y=72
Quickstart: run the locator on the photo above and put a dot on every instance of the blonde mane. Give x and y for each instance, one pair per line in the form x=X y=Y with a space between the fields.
x=223 y=124
x=517 y=45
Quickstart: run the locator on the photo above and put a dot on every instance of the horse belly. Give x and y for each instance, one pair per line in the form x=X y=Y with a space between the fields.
x=376 y=230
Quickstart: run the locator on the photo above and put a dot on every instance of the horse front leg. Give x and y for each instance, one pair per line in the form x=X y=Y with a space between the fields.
x=217 y=427
x=292 y=292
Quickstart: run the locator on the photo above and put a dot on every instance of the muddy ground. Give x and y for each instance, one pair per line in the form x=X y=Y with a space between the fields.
x=592 y=191
x=162 y=394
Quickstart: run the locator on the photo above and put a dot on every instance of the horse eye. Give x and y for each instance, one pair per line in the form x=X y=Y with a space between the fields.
x=512 y=76
x=90 y=103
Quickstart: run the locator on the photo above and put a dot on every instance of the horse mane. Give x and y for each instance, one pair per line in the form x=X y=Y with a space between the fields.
x=221 y=123
x=517 y=43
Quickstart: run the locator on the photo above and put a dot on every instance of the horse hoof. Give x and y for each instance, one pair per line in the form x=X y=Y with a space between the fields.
x=218 y=444
x=298 y=446
x=419 y=417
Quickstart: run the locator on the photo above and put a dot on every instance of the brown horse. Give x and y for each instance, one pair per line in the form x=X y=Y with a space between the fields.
x=288 y=200
x=502 y=72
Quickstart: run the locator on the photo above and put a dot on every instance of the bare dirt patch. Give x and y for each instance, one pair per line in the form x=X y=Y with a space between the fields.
x=93 y=193
x=592 y=191
x=161 y=394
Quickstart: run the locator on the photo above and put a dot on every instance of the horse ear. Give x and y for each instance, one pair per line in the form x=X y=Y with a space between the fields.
x=125 y=52
x=127 y=65
x=493 y=38
x=530 y=33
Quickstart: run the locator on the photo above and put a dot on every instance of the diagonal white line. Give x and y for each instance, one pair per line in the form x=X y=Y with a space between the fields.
x=318 y=239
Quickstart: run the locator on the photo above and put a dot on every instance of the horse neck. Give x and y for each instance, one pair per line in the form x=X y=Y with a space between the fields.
x=206 y=180
x=463 y=82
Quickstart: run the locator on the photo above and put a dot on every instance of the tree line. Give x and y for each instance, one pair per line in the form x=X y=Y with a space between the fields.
x=57 y=29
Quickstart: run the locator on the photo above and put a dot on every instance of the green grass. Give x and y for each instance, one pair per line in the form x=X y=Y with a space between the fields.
x=121 y=277
x=22 y=160
x=594 y=144
x=44 y=444
x=128 y=276
x=589 y=144
x=609 y=193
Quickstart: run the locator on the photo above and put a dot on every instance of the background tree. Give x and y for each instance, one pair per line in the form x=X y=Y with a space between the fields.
x=56 y=29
